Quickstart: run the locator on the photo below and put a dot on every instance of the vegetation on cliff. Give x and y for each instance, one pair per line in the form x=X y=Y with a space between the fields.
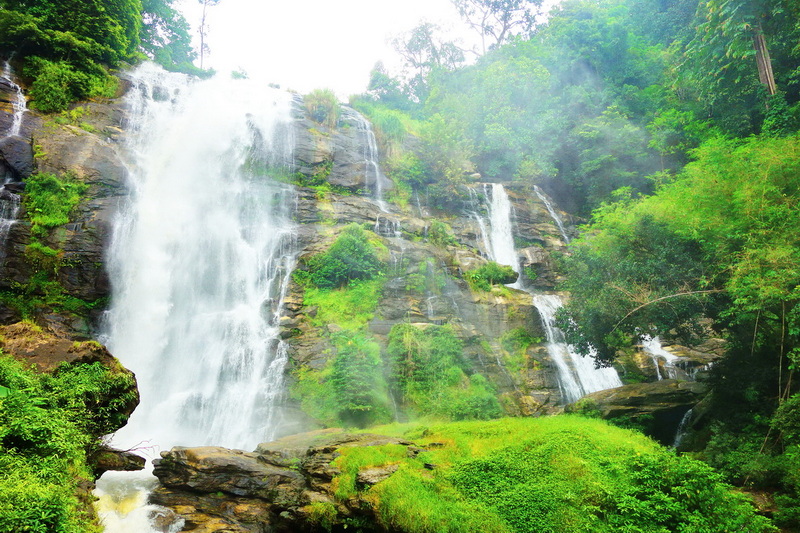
x=50 y=425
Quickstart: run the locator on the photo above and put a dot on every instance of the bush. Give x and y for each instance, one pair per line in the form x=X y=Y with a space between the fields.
x=50 y=199
x=428 y=371
x=323 y=107
x=483 y=277
x=351 y=257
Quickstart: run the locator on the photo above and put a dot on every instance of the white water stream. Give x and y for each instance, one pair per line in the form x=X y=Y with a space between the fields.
x=373 y=176
x=553 y=214
x=9 y=201
x=577 y=375
x=200 y=264
x=19 y=105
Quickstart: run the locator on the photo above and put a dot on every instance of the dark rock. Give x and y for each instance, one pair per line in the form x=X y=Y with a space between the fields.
x=16 y=154
x=214 y=489
x=105 y=459
x=660 y=404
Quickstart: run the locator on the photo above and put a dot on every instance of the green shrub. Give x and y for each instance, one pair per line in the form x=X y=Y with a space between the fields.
x=351 y=257
x=50 y=199
x=428 y=370
x=323 y=107
x=491 y=273
x=441 y=234
x=47 y=426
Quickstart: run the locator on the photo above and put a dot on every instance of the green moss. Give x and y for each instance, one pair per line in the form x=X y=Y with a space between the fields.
x=554 y=474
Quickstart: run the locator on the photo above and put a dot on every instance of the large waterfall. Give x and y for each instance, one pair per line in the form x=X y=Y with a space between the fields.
x=577 y=375
x=201 y=260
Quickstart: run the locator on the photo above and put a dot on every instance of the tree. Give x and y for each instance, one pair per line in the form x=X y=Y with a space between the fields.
x=424 y=51
x=204 y=28
x=165 y=35
x=498 y=20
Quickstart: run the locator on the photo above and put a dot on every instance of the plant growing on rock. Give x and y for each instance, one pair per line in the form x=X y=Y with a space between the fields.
x=323 y=107
x=491 y=273
x=351 y=257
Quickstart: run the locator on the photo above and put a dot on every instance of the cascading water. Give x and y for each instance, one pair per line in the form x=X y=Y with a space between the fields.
x=373 y=177
x=652 y=346
x=200 y=262
x=19 y=105
x=9 y=201
x=553 y=213
x=577 y=375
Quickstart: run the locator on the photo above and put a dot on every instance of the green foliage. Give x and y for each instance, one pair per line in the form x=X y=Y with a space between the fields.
x=350 y=390
x=491 y=273
x=47 y=425
x=351 y=257
x=357 y=381
x=552 y=474
x=50 y=199
x=323 y=107
x=441 y=234
x=428 y=371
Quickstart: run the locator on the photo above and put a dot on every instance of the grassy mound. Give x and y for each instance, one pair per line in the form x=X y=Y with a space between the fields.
x=556 y=474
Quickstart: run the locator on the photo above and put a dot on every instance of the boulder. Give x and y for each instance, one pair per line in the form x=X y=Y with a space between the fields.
x=271 y=489
x=658 y=406
x=16 y=157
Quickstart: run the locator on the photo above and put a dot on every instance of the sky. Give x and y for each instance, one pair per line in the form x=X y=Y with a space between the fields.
x=310 y=44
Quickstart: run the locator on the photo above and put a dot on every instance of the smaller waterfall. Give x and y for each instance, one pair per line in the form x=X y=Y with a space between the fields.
x=577 y=375
x=652 y=346
x=19 y=105
x=501 y=233
x=9 y=208
x=373 y=177
x=683 y=428
x=553 y=214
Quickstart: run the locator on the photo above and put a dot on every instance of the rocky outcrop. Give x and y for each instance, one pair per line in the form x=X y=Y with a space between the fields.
x=274 y=489
x=658 y=407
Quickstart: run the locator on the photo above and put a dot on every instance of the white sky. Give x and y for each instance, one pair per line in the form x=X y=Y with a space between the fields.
x=309 y=44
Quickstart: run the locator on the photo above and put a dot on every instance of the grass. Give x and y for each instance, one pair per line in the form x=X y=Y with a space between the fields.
x=553 y=474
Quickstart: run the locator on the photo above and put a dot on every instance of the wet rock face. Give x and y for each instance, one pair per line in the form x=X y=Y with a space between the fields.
x=89 y=153
x=341 y=148
x=270 y=489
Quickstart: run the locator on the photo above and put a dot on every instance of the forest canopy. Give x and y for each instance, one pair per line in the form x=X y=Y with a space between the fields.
x=68 y=46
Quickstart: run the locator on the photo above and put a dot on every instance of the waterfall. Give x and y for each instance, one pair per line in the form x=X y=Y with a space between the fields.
x=9 y=201
x=201 y=260
x=552 y=211
x=373 y=177
x=577 y=375
x=652 y=346
x=9 y=208
x=683 y=428
x=19 y=105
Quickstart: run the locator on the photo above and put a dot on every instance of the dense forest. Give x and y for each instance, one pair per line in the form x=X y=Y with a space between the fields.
x=671 y=127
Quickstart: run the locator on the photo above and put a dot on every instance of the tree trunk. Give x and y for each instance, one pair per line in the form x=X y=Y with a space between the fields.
x=763 y=61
